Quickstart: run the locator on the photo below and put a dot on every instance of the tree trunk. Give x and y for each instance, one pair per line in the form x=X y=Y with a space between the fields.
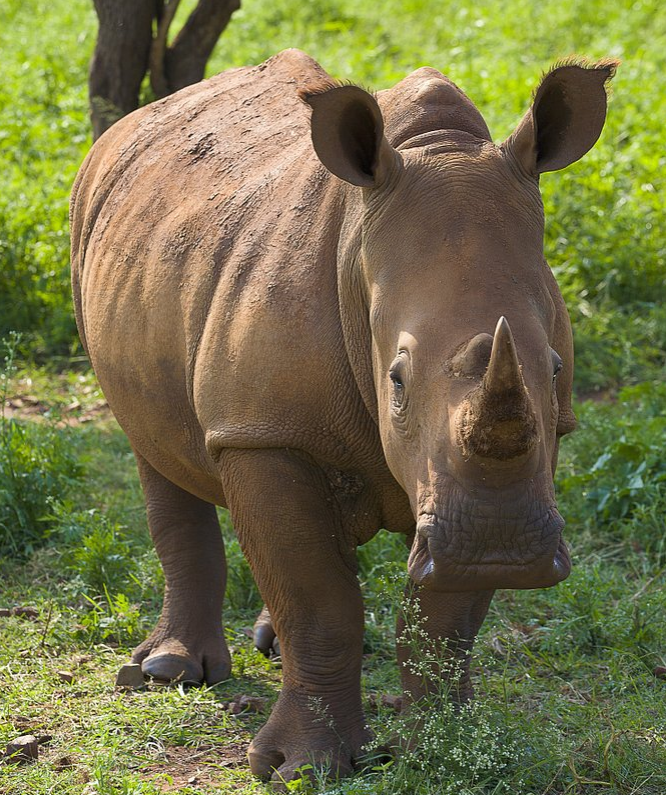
x=126 y=49
x=120 y=59
x=185 y=60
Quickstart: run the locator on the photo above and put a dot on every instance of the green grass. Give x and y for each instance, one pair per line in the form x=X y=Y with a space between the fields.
x=567 y=699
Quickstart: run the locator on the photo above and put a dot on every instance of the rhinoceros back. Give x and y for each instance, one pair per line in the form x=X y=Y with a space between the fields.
x=204 y=240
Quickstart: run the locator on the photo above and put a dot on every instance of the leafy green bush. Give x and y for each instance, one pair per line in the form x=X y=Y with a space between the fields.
x=38 y=463
x=383 y=579
x=43 y=139
x=112 y=618
x=34 y=254
x=614 y=464
x=592 y=612
x=617 y=345
x=242 y=595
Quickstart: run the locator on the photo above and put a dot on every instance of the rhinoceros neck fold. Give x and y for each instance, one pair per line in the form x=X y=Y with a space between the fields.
x=353 y=304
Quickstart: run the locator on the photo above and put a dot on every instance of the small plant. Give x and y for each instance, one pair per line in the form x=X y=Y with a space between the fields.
x=303 y=784
x=96 y=552
x=616 y=463
x=459 y=749
x=112 y=618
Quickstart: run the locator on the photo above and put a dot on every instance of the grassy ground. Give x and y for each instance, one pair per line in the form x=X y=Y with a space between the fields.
x=568 y=698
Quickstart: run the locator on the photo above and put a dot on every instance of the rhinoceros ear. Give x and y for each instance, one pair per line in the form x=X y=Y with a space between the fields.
x=348 y=135
x=566 y=117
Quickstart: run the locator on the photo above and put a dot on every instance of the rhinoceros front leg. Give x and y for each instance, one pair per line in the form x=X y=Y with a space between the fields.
x=290 y=530
x=188 y=642
x=435 y=637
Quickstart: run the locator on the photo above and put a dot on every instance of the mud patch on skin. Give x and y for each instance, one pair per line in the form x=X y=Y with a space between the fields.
x=180 y=766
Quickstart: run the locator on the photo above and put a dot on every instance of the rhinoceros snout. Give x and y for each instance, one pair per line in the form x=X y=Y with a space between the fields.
x=454 y=555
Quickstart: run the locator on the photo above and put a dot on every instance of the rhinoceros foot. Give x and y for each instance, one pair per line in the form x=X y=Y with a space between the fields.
x=170 y=660
x=297 y=742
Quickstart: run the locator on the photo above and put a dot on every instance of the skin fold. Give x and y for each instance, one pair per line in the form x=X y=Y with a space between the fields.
x=330 y=312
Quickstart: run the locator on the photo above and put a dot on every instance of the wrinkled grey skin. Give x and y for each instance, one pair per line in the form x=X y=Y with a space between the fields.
x=332 y=319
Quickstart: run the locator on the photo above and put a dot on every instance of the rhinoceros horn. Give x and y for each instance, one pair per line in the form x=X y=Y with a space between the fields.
x=503 y=374
x=498 y=420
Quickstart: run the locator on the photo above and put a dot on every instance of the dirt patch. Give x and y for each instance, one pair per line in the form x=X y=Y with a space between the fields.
x=598 y=396
x=180 y=766
x=28 y=407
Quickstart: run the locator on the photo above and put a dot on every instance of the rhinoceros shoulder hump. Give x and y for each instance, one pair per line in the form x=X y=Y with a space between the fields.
x=425 y=101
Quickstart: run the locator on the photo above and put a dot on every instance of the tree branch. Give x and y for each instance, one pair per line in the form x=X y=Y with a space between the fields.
x=158 y=80
x=185 y=60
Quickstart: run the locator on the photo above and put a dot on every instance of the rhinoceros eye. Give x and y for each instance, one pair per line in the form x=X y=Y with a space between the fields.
x=397 y=381
x=399 y=373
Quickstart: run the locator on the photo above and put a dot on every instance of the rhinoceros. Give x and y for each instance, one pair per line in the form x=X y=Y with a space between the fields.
x=330 y=312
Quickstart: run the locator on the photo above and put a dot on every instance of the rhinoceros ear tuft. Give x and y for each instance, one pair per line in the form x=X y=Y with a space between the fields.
x=566 y=117
x=348 y=135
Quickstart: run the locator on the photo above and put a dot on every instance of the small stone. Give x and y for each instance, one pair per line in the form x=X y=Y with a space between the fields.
x=244 y=704
x=660 y=672
x=66 y=676
x=5 y=612
x=130 y=676
x=392 y=702
x=63 y=763
x=23 y=749
x=385 y=700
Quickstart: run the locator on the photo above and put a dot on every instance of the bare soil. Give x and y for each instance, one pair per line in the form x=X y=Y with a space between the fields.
x=180 y=766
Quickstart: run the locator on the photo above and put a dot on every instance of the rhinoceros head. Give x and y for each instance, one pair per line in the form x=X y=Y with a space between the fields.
x=469 y=341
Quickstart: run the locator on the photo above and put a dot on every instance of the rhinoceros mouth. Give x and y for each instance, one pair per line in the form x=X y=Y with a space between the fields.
x=448 y=555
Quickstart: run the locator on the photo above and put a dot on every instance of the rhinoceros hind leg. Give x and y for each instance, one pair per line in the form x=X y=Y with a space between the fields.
x=188 y=642
x=285 y=516
x=263 y=633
